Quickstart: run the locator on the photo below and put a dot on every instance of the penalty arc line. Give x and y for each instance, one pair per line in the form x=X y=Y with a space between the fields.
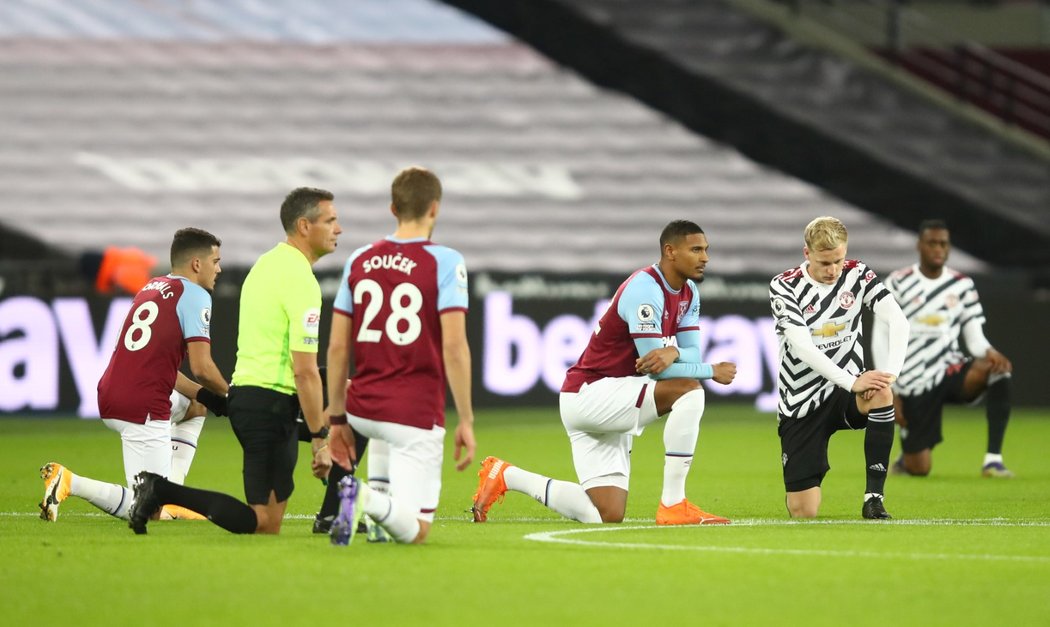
x=558 y=537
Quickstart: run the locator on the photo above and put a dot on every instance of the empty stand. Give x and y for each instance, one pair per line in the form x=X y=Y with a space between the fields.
x=120 y=132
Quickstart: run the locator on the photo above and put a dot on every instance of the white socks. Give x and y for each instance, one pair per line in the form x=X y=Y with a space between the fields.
x=568 y=499
x=184 y=436
x=402 y=524
x=109 y=497
x=681 y=432
x=990 y=458
x=379 y=466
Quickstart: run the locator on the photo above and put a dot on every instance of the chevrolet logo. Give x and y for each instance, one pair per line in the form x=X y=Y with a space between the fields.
x=933 y=320
x=829 y=329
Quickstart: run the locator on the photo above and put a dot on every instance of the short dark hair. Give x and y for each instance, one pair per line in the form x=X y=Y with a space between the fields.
x=932 y=224
x=188 y=241
x=302 y=202
x=412 y=192
x=676 y=230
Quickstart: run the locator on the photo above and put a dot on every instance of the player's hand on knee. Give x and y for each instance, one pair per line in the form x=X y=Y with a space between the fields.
x=999 y=362
x=873 y=380
x=656 y=360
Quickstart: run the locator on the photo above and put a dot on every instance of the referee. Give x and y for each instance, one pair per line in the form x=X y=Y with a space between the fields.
x=277 y=342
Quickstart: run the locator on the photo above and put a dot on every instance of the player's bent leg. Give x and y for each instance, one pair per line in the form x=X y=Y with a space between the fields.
x=187 y=422
x=898 y=411
x=424 y=531
x=918 y=464
x=996 y=388
x=270 y=516
x=878 y=441
x=184 y=436
x=566 y=498
x=610 y=501
x=668 y=391
x=379 y=481
x=153 y=491
x=681 y=431
x=804 y=503
x=358 y=499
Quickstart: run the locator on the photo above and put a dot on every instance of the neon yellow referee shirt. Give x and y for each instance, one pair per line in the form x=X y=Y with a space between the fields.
x=280 y=313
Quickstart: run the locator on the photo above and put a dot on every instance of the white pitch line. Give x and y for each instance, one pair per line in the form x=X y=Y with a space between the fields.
x=737 y=522
x=556 y=537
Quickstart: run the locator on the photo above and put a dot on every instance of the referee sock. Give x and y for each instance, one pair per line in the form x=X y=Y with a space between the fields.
x=568 y=499
x=330 y=504
x=997 y=411
x=680 y=435
x=878 y=440
x=222 y=509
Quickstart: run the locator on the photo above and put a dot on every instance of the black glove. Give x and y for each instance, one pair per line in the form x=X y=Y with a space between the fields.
x=216 y=404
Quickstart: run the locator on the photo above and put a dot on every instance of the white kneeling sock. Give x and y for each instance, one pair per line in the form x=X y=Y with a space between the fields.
x=568 y=499
x=184 y=436
x=109 y=497
x=681 y=431
x=402 y=524
x=379 y=466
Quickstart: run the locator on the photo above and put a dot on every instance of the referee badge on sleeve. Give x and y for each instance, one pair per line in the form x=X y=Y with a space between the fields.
x=312 y=321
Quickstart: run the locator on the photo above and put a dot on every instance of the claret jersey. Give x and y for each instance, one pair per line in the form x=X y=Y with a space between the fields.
x=395 y=291
x=644 y=306
x=165 y=315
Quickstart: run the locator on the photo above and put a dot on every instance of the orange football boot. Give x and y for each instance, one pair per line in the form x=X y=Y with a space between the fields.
x=685 y=513
x=491 y=487
x=178 y=512
x=57 y=482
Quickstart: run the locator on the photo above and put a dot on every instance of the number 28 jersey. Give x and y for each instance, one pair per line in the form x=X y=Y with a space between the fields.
x=165 y=315
x=395 y=291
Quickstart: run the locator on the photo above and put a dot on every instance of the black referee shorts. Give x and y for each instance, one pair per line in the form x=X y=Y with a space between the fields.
x=264 y=423
x=924 y=412
x=804 y=441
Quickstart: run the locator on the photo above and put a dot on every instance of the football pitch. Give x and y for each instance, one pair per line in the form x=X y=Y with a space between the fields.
x=961 y=550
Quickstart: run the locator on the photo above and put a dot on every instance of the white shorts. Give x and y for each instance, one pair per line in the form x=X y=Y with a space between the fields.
x=179 y=405
x=146 y=446
x=601 y=420
x=416 y=456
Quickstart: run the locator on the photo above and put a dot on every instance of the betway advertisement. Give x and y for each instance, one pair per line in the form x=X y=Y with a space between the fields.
x=531 y=329
x=525 y=330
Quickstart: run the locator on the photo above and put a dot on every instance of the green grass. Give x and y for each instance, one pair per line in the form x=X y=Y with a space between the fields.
x=961 y=550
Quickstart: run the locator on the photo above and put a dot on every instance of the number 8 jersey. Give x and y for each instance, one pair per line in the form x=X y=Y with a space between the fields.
x=165 y=315
x=395 y=291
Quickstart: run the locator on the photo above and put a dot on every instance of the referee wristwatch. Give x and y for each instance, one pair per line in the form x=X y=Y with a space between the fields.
x=320 y=435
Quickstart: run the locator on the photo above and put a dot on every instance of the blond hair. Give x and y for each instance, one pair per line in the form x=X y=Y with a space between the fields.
x=825 y=233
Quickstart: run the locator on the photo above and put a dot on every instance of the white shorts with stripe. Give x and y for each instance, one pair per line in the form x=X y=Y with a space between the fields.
x=146 y=446
x=601 y=420
x=416 y=456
